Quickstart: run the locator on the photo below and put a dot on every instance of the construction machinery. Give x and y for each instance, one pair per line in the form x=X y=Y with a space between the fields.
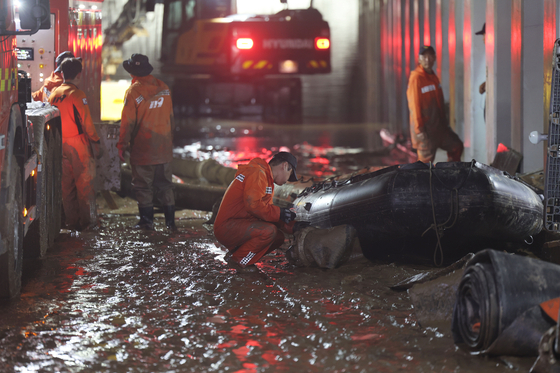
x=229 y=65
x=32 y=33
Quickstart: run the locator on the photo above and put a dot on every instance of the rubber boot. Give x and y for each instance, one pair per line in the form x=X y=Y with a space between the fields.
x=169 y=212
x=146 y=218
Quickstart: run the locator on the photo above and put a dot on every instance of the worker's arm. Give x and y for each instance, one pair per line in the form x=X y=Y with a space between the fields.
x=38 y=95
x=83 y=115
x=442 y=104
x=253 y=195
x=414 y=104
x=81 y=105
x=172 y=121
x=51 y=83
x=128 y=121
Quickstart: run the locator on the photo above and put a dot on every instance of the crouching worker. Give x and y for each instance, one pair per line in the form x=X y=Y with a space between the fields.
x=247 y=223
x=147 y=133
x=78 y=164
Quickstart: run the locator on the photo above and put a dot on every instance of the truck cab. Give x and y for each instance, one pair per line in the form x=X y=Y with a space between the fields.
x=244 y=66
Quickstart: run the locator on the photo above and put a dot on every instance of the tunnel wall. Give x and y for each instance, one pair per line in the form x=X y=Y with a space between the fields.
x=515 y=62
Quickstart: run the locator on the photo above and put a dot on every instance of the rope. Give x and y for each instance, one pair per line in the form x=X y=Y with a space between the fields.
x=454 y=213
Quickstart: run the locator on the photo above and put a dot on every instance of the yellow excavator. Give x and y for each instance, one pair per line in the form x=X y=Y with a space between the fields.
x=229 y=65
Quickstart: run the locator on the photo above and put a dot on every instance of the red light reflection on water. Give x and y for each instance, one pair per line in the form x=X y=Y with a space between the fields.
x=251 y=337
x=318 y=161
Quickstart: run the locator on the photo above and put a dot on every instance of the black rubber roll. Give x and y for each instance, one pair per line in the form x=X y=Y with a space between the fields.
x=497 y=308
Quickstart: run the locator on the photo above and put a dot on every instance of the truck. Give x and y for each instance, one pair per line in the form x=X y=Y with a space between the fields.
x=32 y=34
x=223 y=64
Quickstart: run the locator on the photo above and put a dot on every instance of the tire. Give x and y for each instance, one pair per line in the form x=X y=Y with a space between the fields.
x=56 y=196
x=36 y=241
x=11 y=196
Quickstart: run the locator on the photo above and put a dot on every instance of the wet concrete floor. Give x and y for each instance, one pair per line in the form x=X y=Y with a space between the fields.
x=119 y=300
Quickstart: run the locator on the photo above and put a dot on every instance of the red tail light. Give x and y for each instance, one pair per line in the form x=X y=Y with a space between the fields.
x=322 y=43
x=244 y=43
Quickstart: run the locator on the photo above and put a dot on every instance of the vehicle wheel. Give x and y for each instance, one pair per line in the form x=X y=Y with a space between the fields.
x=36 y=242
x=11 y=197
x=56 y=196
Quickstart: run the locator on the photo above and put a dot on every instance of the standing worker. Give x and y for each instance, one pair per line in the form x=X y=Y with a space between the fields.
x=78 y=132
x=247 y=223
x=429 y=127
x=147 y=133
x=54 y=80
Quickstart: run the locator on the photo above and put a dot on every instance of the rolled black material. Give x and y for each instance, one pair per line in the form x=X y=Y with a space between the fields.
x=475 y=207
x=497 y=308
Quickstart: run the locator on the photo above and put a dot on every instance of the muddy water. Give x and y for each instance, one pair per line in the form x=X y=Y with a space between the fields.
x=118 y=300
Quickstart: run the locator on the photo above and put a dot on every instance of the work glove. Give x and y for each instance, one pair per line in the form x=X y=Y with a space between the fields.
x=287 y=215
x=422 y=136
x=121 y=155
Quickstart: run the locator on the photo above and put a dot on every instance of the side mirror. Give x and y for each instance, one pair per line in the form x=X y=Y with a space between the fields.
x=33 y=13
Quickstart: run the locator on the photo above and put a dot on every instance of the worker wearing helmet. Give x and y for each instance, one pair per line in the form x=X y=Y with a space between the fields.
x=147 y=133
x=78 y=164
x=54 y=80
x=247 y=223
x=429 y=127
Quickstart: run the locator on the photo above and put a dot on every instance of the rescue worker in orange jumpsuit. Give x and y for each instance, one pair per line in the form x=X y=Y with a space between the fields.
x=247 y=223
x=147 y=133
x=78 y=137
x=429 y=127
x=54 y=80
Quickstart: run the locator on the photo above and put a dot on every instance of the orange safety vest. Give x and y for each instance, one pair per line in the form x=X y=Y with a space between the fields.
x=74 y=111
x=249 y=196
x=50 y=84
x=425 y=102
x=147 y=122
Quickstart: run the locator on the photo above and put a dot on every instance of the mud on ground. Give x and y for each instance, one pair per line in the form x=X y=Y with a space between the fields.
x=119 y=300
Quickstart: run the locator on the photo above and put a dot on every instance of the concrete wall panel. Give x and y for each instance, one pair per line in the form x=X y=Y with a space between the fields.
x=515 y=63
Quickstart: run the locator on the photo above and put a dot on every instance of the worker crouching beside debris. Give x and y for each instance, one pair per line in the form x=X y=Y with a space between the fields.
x=247 y=223
x=146 y=131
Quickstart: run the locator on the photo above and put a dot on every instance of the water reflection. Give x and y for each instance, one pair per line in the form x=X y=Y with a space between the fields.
x=158 y=302
x=322 y=150
x=122 y=300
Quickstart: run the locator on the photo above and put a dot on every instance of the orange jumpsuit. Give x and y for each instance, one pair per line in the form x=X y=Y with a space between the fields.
x=147 y=132
x=247 y=218
x=78 y=165
x=50 y=84
x=429 y=129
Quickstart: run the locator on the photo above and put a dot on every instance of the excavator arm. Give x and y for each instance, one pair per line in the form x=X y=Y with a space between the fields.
x=129 y=23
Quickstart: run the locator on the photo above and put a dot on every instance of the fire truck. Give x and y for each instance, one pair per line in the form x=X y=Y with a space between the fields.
x=223 y=64
x=32 y=34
